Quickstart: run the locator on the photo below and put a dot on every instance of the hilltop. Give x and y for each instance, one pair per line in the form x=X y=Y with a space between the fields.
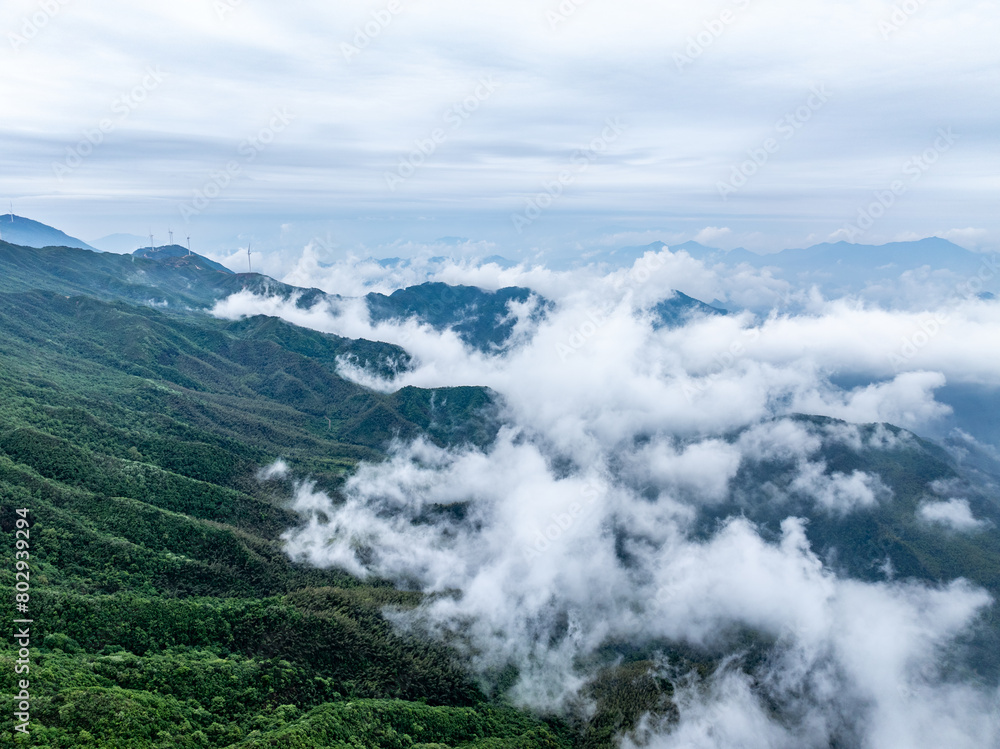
x=23 y=231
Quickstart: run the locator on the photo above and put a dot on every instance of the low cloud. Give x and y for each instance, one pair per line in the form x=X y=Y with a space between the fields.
x=955 y=514
x=579 y=526
x=711 y=234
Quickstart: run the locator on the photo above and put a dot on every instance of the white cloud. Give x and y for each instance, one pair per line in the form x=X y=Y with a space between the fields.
x=837 y=492
x=969 y=237
x=711 y=234
x=703 y=469
x=953 y=513
x=577 y=527
x=277 y=470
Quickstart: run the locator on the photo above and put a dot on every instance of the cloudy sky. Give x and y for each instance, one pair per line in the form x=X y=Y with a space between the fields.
x=524 y=125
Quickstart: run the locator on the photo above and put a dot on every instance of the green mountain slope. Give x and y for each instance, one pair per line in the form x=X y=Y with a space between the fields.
x=178 y=257
x=480 y=318
x=179 y=287
x=167 y=613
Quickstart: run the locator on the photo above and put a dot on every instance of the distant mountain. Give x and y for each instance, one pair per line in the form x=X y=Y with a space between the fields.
x=679 y=309
x=895 y=256
x=841 y=268
x=178 y=257
x=500 y=261
x=837 y=269
x=121 y=244
x=716 y=255
x=28 y=233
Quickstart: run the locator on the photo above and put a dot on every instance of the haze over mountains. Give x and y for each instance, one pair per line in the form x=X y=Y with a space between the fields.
x=828 y=263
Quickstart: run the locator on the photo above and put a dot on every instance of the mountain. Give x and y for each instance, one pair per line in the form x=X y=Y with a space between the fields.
x=910 y=471
x=681 y=308
x=28 y=233
x=499 y=260
x=839 y=258
x=843 y=260
x=481 y=318
x=170 y=279
x=842 y=269
x=837 y=269
x=175 y=286
x=133 y=439
x=168 y=611
x=179 y=257
x=896 y=256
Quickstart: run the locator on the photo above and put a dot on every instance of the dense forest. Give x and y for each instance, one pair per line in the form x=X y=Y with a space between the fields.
x=166 y=613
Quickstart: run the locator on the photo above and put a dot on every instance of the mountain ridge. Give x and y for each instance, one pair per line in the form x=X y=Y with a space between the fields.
x=29 y=233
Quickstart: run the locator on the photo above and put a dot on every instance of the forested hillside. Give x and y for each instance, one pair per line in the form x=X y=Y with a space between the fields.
x=166 y=613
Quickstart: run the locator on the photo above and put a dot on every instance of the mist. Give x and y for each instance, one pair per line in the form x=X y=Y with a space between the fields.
x=584 y=524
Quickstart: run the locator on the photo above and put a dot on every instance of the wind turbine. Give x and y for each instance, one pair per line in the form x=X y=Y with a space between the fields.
x=171 y=235
x=189 y=246
x=12 y=211
x=249 y=264
x=151 y=247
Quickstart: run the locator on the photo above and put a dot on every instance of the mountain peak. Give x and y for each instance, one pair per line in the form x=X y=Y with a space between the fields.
x=28 y=233
x=177 y=256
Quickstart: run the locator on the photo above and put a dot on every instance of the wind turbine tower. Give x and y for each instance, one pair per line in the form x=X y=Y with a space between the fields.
x=249 y=264
x=189 y=246
x=171 y=235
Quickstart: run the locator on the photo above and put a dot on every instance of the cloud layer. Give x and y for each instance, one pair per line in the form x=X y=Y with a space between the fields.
x=580 y=527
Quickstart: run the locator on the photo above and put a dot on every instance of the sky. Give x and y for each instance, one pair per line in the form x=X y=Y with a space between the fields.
x=527 y=127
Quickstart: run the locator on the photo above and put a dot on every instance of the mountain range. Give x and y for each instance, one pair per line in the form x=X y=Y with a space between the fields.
x=145 y=437
x=837 y=269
